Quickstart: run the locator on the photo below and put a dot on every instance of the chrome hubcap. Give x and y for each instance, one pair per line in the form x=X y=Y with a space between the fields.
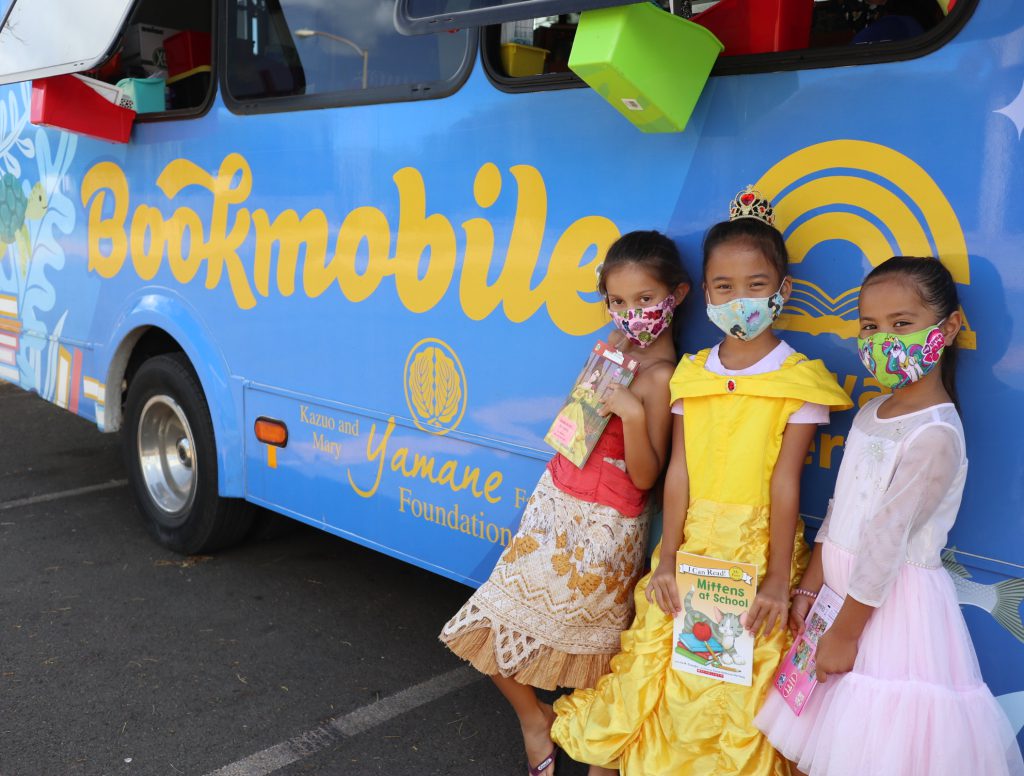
x=165 y=449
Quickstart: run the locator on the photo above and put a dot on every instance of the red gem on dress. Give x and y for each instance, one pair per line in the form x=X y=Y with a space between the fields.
x=731 y=386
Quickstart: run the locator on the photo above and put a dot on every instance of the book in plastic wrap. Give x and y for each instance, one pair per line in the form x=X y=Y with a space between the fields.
x=796 y=678
x=577 y=427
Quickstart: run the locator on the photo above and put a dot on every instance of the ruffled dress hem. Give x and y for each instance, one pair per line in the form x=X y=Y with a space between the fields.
x=545 y=668
x=915 y=703
x=904 y=728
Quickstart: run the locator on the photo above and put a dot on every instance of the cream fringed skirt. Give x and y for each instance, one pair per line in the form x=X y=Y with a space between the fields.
x=552 y=610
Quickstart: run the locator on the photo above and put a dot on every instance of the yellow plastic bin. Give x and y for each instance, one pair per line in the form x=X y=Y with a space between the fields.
x=518 y=59
x=650 y=65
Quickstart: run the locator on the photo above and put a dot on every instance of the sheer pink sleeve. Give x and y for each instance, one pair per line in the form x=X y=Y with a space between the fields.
x=823 y=531
x=925 y=470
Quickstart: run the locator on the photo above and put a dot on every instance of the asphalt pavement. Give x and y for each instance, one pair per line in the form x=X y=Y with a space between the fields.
x=305 y=654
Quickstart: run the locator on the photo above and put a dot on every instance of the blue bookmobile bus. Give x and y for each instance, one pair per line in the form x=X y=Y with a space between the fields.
x=343 y=266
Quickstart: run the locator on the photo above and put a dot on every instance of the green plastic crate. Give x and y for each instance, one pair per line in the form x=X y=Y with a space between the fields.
x=650 y=65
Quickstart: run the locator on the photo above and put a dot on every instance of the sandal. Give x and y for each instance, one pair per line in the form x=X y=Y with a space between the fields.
x=544 y=764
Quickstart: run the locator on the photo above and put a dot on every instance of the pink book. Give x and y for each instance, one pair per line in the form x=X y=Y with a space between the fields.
x=796 y=678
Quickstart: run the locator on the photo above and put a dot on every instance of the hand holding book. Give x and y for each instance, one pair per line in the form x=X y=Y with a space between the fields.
x=800 y=669
x=798 y=611
x=621 y=401
x=663 y=590
x=770 y=607
x=596 y=394
x=835 y=655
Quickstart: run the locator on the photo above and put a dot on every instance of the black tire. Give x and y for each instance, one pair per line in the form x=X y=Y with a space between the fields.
x=171 y=455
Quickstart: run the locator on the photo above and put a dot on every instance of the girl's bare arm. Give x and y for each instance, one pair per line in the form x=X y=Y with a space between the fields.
x=662 y=587
x=771 y=605
x=646 y=423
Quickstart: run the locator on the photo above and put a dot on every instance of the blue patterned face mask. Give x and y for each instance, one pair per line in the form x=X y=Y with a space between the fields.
x=747 y=317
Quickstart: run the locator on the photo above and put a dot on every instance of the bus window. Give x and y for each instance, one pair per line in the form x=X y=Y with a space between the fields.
x=169 y=41
x=284 y=54
x=521 y=49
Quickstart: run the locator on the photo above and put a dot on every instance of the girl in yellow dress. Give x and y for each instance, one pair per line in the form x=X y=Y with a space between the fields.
x=751 y=406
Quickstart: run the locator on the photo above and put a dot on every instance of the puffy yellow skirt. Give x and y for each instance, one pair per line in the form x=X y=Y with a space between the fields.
x=648 y=719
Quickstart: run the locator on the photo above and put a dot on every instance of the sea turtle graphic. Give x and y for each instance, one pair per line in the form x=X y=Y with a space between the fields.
x=15 y=211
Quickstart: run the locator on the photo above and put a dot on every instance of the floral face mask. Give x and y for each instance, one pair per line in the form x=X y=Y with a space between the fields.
x=642 y=325
x=746 y=317
x=897 y=360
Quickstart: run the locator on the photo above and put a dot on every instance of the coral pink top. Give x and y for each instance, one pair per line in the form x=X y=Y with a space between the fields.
x=603 y=478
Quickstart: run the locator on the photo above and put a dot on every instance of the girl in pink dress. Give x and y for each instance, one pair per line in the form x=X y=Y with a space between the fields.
x=900 y=690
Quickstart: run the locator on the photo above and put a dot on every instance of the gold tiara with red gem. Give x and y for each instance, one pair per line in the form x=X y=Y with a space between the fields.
x=751 y=203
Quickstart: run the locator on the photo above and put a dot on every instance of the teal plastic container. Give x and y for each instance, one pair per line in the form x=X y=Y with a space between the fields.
x=146 y=93
x=650 y=65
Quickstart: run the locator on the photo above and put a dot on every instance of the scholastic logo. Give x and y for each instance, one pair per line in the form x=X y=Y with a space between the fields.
x=714 y=674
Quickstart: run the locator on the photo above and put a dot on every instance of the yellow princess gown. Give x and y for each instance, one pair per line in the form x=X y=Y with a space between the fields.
x=646 y=718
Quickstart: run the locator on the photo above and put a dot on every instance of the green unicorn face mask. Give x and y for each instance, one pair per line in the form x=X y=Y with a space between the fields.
x=897 y=360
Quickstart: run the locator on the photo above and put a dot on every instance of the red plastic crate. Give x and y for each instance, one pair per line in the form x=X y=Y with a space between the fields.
x=66 y=103
x=186 y=51
x=758 y=26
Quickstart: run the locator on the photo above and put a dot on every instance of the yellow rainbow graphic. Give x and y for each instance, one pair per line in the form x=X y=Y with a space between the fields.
x=824 y=178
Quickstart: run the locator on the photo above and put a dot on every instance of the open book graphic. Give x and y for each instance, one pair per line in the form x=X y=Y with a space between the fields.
x=577 y=426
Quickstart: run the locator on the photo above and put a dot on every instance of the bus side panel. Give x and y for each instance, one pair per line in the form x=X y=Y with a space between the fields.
x=167 y=310
x=437 y=501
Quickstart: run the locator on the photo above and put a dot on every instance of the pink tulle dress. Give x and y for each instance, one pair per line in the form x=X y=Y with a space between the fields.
x=915 y=703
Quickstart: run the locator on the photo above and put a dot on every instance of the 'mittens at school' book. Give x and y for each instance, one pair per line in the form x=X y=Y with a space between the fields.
x=796 y=678
x=709 y=634
x=577 y=426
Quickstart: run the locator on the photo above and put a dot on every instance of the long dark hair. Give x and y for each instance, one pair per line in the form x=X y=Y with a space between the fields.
x=655 y=252
x=756 y=233
x=937 y=289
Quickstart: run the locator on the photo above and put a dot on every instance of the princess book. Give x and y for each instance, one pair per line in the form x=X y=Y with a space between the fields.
x=577 y=426
x=709 y=635
x=796 y=678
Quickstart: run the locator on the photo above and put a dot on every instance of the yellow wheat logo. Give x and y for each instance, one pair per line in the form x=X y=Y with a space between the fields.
x=871 y=196
x=435 y=386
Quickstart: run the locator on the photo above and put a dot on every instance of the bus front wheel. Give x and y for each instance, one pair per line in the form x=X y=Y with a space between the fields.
x=171 y=454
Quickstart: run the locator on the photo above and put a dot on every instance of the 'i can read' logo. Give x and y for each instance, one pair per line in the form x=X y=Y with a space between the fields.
x=435 y=386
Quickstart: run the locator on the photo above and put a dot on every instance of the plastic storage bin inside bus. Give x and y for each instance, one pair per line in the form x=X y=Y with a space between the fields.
x=518 y=59
x=650 y=65
x=186 y=51
x=65 y=102
x=146 y=94
x=758 y=26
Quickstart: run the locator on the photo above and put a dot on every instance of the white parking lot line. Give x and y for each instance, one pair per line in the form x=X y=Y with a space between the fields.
x=25 y=502
x=352 y=724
